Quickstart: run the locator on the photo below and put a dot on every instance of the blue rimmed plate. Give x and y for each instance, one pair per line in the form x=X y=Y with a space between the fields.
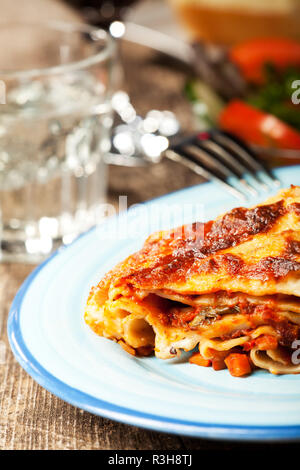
x=51 y=342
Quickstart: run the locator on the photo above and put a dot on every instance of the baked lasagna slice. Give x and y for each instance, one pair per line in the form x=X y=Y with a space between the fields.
x=230 y=287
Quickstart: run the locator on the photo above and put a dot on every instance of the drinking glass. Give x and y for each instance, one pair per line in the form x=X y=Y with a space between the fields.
x=56 y=81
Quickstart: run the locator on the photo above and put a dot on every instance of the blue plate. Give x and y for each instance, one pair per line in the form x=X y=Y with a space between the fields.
x=50 y=340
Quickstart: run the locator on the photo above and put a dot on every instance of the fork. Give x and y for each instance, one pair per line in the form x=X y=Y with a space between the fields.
x=222 y=157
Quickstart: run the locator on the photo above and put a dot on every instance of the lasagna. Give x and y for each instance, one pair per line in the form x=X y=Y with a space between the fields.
x=228 y=287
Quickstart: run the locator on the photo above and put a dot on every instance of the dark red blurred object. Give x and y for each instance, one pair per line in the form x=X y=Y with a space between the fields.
x=101 y=12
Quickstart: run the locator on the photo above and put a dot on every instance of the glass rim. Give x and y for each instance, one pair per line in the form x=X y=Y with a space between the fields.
x=97 y=34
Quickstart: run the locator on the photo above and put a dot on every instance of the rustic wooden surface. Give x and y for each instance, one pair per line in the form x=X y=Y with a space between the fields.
x=31 y=417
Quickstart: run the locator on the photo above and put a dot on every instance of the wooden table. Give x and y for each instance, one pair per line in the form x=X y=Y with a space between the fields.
x=31 y=417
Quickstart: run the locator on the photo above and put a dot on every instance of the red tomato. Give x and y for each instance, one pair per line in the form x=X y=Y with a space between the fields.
x=251 y=56
x=258 y=127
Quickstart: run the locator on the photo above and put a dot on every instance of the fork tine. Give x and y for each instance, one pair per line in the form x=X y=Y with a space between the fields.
x=238 y=153
x=212 y=158
x=247 y=155
x=227 y=160
x=224 y=154
x=180 y=156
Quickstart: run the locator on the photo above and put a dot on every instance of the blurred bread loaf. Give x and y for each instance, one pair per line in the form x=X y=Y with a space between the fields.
x=231 y=21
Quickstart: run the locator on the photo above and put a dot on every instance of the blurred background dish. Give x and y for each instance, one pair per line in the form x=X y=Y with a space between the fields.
x=231 y=21
x=252 y=90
